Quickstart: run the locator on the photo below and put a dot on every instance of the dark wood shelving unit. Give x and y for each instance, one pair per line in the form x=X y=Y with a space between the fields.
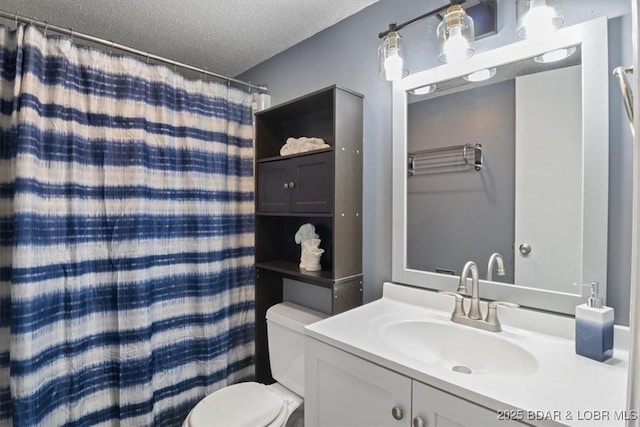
x=321 y=187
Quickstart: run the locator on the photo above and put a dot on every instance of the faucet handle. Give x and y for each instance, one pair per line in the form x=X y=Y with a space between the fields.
x=453 y=294
x=492 y=312
x=459 y=307
x=494 y=304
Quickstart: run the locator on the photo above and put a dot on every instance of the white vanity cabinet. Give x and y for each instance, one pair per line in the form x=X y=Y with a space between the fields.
x=345 y=390
x=361 y=364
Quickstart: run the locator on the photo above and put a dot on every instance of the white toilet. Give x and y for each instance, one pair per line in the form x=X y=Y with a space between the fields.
x=254 y=404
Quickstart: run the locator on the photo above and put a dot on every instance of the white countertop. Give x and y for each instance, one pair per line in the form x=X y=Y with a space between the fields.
x=565 y=389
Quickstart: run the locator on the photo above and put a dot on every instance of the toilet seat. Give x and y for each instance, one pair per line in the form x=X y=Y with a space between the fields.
x=244 y=404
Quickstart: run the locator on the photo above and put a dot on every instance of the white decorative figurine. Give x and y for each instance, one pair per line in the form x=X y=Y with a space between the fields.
x=309 y=241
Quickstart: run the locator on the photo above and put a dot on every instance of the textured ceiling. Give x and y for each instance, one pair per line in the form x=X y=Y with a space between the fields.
x=224 y=36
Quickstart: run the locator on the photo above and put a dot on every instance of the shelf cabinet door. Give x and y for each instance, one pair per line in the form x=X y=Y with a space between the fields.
x=274 y=194
x=313 y=183
x=437 y=408
x=300 y=185
x=344 y=390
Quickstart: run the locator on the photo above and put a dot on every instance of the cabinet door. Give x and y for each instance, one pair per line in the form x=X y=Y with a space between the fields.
x=437 y=408
x=344 y=390
x=313 y=183
x=274 y=194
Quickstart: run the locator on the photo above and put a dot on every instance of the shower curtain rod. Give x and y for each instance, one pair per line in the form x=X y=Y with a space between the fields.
x=74 y=34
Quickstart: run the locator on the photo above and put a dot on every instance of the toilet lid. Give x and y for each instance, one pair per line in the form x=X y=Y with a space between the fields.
x=240 y=405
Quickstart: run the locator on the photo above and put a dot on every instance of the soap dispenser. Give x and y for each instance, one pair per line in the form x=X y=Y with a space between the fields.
x=594 y=327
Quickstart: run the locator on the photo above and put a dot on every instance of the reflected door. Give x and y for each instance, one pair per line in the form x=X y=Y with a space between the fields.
x=549 y=191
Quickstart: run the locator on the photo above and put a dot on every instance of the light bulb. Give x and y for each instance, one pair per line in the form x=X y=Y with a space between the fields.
x=455 y=35
x=555 y=55
x=423 y=90
x=456 y=46
x=390 y=57
x=540 y=19
x=480 y=75
x=393 y=65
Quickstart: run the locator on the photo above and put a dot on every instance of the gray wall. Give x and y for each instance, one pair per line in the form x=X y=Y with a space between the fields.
x=453 y=217
x=346 y=54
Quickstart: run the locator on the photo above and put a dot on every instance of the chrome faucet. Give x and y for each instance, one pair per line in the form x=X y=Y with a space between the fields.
x=495 y=258
x=474 y=317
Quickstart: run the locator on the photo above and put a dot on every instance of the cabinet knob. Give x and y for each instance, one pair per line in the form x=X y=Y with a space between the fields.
x=286 y=186
x=525 y=249
x=419 y=422
x=397 y=413
x=292 y=184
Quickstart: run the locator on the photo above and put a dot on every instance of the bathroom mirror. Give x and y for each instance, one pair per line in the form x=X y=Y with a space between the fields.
x=539 y=198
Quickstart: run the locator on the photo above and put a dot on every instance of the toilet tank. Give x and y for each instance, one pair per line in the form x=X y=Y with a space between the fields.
x=285 y=335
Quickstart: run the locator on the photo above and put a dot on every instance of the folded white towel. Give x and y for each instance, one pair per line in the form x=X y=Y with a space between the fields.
x=302 y=145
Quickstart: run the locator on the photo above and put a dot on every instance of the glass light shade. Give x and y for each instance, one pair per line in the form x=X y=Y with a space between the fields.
x=455 y=35
x=480 y=75
x=423 y=90
x=555 y=55
x=391 y=58
x=537 y=18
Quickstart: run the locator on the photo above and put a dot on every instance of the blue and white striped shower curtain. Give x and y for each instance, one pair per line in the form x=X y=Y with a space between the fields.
x=126 y=237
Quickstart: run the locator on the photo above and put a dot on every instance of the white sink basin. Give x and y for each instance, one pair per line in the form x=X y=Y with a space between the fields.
x=468 y=350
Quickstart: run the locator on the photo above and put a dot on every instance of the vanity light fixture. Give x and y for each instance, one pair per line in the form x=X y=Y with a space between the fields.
x=455 y=35
x=555 y=55
x=391 y=56
x=480 y=75
x=537 y=18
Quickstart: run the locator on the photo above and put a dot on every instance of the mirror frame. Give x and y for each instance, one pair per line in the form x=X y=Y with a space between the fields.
x=592 y=35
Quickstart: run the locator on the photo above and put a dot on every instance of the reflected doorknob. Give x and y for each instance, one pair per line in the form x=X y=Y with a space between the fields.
x=397 y=413
x=525 y=248
x=419 y=422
